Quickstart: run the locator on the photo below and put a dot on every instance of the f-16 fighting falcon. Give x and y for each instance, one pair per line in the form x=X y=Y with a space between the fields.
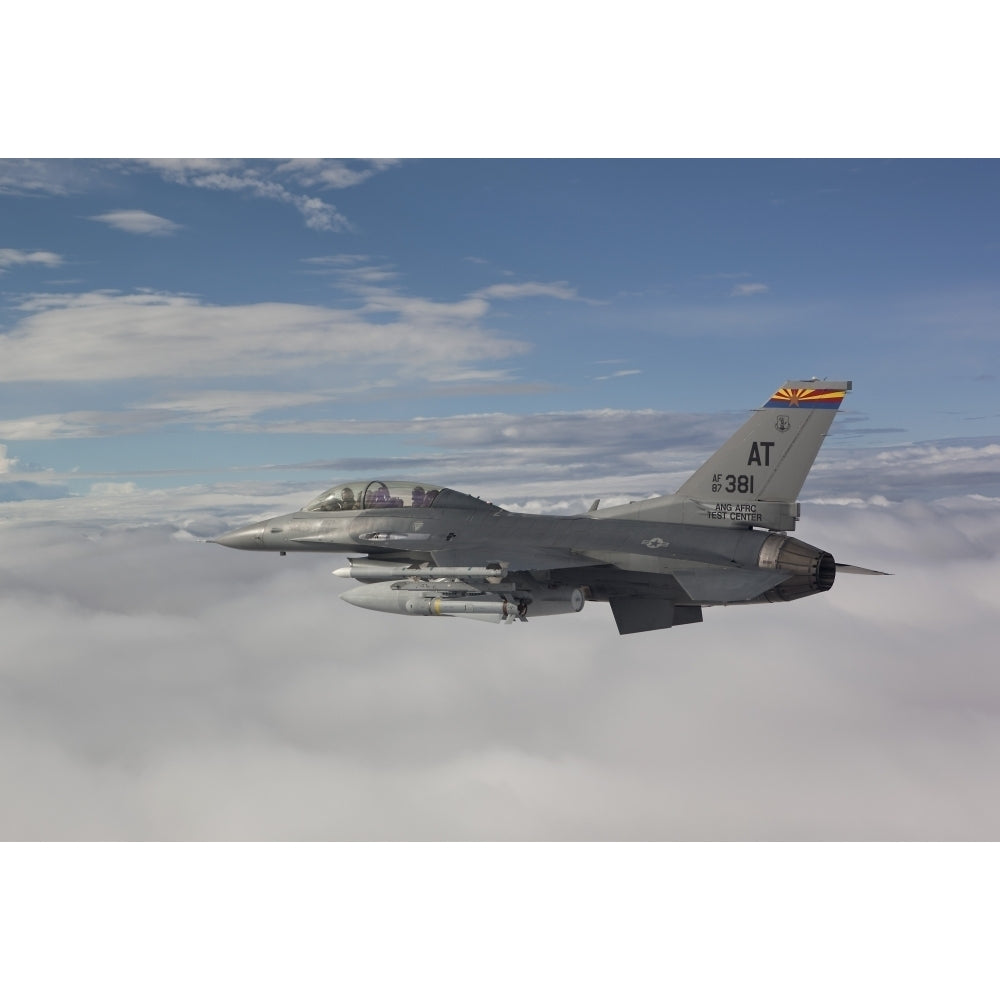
x=720 y=539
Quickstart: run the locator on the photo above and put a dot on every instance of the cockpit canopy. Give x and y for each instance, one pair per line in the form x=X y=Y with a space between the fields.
x=380 y=495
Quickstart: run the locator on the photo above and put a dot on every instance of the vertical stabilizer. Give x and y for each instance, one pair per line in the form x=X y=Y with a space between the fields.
x=769 y=457
x=755 y=478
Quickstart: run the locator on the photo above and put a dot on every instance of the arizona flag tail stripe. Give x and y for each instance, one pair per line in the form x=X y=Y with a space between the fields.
x=807 y=399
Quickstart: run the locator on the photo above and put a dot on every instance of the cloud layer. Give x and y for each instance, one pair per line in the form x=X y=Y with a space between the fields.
x=106 y=335
x=155 y=687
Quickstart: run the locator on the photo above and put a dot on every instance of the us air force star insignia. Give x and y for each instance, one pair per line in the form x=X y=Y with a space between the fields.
x=654 y=543
x=782 y=424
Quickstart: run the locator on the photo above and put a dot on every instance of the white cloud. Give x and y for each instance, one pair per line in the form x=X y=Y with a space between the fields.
x=138 y=222
x=356 y=273
x=105 y=335
x=231 y=410
x=74 y=424
x=21 y=483
x=233 y=404
x=929 y=469
x=187 y=691
x=526 y=289
x=259 y=180
x=749 y=288
x=33 y=178
x=113 y=489
x=331 y=173
x=12 y=258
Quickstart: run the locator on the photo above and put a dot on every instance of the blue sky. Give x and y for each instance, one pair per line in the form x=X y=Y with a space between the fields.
x=171 y=322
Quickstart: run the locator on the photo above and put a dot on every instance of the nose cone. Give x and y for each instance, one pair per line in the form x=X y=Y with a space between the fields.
x=360 y=597
x=376 y=597
x=249 y=537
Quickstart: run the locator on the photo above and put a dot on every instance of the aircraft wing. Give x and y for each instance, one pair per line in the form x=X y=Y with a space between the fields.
x=710 y=584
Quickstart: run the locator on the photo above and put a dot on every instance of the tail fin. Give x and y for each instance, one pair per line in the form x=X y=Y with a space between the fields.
x=756 y=476
x=769 y=457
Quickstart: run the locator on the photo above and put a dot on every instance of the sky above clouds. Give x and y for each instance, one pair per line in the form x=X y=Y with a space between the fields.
x=188 y=345
x=172 y=321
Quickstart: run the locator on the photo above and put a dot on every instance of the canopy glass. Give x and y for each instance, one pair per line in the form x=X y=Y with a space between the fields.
x=381 y=495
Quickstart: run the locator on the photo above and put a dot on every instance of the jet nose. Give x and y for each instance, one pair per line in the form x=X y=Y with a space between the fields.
x=249 y=537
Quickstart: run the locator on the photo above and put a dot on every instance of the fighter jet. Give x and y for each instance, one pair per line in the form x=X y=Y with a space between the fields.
x=721 y=539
